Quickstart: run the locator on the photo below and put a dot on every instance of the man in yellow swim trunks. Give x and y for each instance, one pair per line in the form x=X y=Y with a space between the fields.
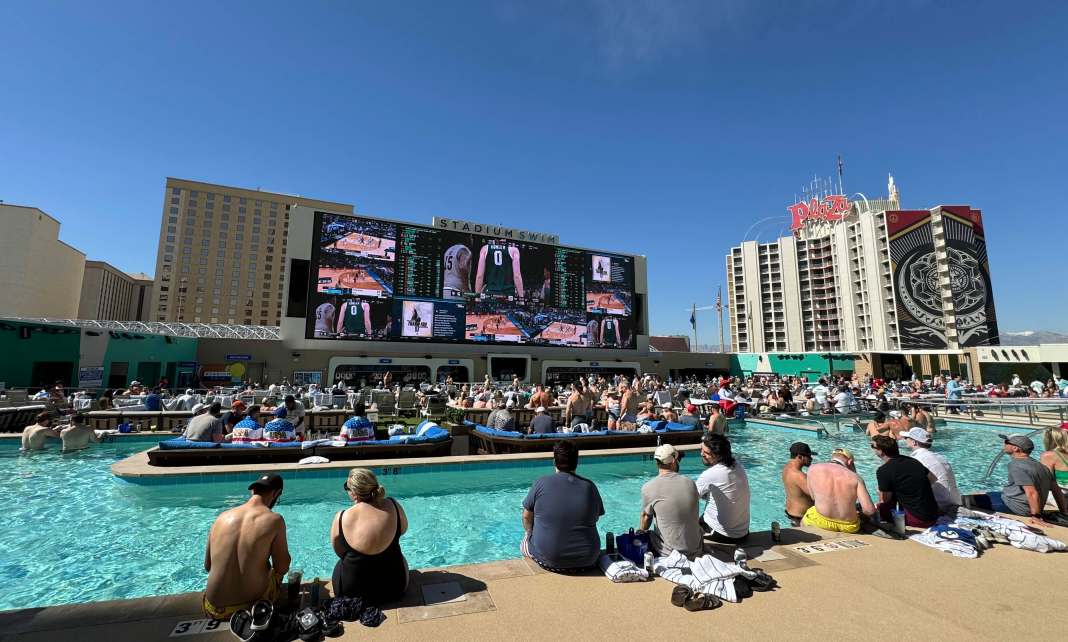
x=247 y=553
x=836 y=488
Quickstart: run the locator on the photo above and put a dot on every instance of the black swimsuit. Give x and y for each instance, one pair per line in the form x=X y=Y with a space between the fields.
x=378 y=578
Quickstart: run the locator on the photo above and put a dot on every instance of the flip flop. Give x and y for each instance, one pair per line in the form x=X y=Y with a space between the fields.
x=702 y=602
x=680 y=594
x=761 y=581
x=261 y=613
x=241 y=625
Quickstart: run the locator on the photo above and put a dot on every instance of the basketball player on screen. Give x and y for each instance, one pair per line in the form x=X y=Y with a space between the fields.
x=457 y=272
x=324 y=319
x=593 y=332
x=498 y=270
x=610 y=333
x=354 y=319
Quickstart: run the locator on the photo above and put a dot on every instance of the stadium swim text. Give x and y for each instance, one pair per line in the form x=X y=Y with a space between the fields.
x=495 y=230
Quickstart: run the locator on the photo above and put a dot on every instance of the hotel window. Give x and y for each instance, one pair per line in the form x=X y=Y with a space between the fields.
x=174 y=210
x=176 y=191
x=171 y=229
x=168 y=248
x=226 y=199
x=210 y=196
x=170 y=239
x=174 y=200
x=241 y=201
x=172 y=219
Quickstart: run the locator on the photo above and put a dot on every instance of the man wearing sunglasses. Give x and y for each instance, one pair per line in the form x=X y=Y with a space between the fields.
x=247 y=554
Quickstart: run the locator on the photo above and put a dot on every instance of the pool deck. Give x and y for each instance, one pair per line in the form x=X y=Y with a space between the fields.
x=885 y=590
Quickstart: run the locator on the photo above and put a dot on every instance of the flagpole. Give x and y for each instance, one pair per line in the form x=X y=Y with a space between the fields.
x=719 y=309
x=693 y=322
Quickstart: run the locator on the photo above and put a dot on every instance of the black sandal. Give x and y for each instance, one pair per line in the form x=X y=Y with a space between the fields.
x=680 y=594
x=241 y=625
x=702 y=602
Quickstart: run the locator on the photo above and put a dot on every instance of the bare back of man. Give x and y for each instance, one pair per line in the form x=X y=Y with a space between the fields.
x=33 y=437
x=242 y=545
x=795 y=482
x=628 y=405
x=77 y=437
x=836 y=490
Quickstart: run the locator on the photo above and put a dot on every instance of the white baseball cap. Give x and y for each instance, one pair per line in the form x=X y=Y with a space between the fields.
x=511 y=403
x=666 y=454
x=540 y=409
x=918 y=434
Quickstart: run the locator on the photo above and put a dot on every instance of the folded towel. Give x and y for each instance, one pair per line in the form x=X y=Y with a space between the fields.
x=315 y=459
x=620 y=569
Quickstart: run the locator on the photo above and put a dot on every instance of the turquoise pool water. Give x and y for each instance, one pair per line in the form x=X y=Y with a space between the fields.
x=75 y=533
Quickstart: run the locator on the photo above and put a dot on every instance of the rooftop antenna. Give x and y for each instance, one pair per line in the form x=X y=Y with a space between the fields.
x=841 y=190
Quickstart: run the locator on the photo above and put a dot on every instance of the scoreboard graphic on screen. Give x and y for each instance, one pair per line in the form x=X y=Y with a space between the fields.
x=387 y=281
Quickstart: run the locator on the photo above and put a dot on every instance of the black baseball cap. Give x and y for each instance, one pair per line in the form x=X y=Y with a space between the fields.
x=801 y=448
x=267 y=482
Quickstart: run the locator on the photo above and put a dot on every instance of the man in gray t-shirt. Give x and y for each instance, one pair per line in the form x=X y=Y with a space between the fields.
x=671 y=500
x=206 y=427
x=1029 y=483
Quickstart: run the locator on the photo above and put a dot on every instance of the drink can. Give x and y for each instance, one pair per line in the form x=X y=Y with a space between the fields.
x=776 y=532
x=610 y=543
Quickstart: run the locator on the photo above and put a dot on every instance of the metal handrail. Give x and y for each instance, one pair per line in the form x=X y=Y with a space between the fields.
x=1032 y=406
x=997 y=458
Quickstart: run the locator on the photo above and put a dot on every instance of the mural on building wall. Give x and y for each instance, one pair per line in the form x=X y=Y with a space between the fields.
x=969 y=276
x=915 y=272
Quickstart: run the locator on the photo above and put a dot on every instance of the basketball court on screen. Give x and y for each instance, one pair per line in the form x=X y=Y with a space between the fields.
x=356 y=280
x=498 y=326
x=365 y=245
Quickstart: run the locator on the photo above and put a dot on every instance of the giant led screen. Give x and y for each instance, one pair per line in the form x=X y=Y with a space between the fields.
x=374 y=280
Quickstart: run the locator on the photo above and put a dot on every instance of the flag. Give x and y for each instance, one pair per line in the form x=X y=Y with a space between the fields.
x=693 y=317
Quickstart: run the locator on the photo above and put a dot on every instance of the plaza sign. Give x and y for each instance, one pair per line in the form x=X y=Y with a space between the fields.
x=832 y=208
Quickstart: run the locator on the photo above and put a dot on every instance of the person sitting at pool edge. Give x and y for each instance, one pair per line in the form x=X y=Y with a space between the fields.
x=247 y=553
x=1055 y=458
x=670 y=500
x=279 y=429
x=206 y=426
x=689 y=416
x=725 y=486
x=1028 y=487
x=944 y=484
x=905 y=482
x=357 y=427
x=246 y=430
x=33 y=437
x=541 y=423
x=836 y=488
x=366 y=537
x=78 y=435
x=795 y=482
x=560 y=516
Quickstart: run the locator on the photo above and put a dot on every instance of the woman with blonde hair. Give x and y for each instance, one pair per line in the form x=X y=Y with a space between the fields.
x=1055 y=441
x=366 y=538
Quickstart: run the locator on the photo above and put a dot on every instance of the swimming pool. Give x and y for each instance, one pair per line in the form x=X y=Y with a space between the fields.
x=74 y=533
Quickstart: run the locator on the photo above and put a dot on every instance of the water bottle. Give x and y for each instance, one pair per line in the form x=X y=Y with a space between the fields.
x=740 y=558
x=610 y=544
x=649 y=563
x=315 y=593
x=899 y=520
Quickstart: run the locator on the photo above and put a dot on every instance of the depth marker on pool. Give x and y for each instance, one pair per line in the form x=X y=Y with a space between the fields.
x=196 y=627
x=827 y=547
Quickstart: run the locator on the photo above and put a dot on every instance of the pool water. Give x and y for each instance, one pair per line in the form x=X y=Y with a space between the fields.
x=74 y=533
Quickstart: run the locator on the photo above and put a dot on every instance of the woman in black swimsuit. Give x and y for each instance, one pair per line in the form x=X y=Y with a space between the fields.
x=373 y=523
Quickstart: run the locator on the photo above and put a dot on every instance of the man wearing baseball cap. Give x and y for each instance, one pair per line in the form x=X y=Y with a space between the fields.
x=795 y=482
x=541 y=423
x=247 y=554
x=944 y=486
x=1029 y=483
x=671 y=500
x=280 y=429
x=689 y=416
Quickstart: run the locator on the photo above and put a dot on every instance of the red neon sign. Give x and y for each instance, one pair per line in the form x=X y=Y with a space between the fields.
x=831 y=208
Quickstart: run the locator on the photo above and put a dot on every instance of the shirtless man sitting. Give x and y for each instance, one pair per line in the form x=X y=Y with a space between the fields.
x=247 y=554
x=795 y=482
x=78 y=435
x=920 y=417
x=33 y=437
x=835 y=489
x=879 y=426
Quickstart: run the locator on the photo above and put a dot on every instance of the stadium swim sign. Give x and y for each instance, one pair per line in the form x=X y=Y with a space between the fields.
x=495 y=230
x=832 y=208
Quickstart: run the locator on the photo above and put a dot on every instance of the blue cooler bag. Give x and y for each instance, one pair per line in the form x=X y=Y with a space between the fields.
x=633 y=546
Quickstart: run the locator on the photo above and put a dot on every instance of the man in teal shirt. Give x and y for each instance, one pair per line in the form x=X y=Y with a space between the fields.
x=954 y=391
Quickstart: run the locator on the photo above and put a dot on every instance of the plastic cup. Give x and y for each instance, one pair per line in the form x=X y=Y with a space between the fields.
x=294 y=579
x=899 y=521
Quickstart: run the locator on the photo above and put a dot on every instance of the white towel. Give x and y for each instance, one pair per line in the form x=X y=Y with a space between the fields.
x=622 y=569
x=1018 y=533
x=705 y=574
x=316 y=459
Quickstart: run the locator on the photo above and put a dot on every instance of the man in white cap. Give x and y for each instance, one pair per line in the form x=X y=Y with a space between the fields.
x=944 y=484
x=541 y=423
x=671 y=501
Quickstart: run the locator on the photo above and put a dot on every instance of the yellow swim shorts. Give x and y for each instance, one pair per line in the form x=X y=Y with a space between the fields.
x=274 y=585
x=813 y=518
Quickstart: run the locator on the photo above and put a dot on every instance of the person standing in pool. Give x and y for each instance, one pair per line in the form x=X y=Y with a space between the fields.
x=34 y=437
x=795 y=482
x=78 y=435
x=247 y=554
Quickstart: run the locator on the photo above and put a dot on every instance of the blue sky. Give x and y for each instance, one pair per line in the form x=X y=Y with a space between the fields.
x=664 y=128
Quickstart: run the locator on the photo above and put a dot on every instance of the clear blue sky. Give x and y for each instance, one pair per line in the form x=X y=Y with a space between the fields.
x=656 y=127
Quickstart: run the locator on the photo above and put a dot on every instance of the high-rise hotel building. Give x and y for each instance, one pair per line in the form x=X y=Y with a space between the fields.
x=222 y=253
x=864 y=276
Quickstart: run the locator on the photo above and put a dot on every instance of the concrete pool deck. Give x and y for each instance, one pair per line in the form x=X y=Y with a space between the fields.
x=885 y=590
